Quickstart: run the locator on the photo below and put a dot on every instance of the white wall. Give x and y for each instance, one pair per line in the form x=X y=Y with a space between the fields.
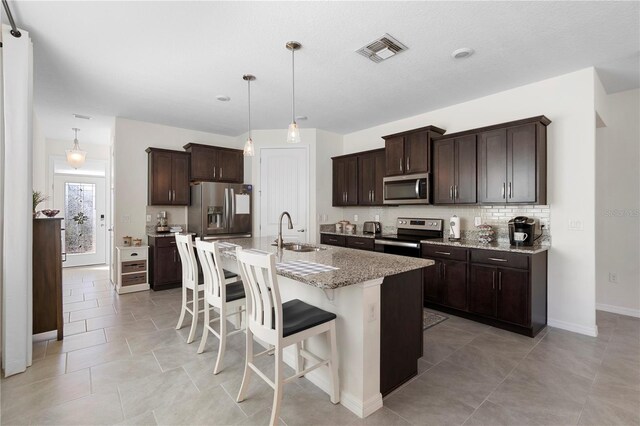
x=327 y=145
x=618 y=203
x=568 y=100
x=39 y=158
x=130 y=170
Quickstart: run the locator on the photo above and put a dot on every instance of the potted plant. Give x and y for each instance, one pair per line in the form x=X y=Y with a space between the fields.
x=38 y=197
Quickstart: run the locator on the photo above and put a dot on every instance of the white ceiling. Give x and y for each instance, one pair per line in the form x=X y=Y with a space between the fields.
x=165 y=62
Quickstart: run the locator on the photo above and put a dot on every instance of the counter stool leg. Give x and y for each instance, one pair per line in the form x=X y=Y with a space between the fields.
x=299 y=357
x=333 y=365
x=279 y=382
x=194 y=323
x=205 y=330
x=183 y=308
x=223 y=340
x=247 y=370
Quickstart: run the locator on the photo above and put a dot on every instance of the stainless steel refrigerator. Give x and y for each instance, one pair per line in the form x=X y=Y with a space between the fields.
x=220 y=210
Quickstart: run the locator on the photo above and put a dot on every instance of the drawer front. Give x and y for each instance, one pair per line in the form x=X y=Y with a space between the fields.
x=444 y=252
x=133 y=254
x=166 y=241
x=134 y=266
x=500 y=258
x=131 y=279
x=334 y=240
x=361 y=243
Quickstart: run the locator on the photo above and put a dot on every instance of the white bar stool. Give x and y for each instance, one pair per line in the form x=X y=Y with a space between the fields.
x=189 y=282
x=281 y=325
x=227 y=298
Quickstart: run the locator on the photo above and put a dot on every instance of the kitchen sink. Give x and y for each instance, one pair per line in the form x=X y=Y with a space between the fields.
x=302 y=248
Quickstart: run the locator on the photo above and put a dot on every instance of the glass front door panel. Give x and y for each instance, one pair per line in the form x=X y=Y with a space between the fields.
x=80 y=218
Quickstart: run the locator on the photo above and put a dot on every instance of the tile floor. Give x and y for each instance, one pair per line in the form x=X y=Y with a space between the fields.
x=122 y=362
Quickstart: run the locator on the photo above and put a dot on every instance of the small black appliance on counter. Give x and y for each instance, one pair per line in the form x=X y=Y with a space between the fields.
x=523 y=231
x=372 y=228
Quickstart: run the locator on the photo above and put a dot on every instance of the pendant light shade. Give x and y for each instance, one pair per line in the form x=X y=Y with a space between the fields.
x=248 y=145
x=76 y=156
x=293 y=133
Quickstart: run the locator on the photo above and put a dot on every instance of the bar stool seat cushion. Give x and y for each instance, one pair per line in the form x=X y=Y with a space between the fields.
x=298 y=316
x=235 y=291
x=229 y=274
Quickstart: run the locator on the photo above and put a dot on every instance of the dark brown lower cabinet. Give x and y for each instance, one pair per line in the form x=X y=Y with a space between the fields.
x=165 y=268
x=349 y=241
x=503 y=289
x=47 y=276
x=400 y=328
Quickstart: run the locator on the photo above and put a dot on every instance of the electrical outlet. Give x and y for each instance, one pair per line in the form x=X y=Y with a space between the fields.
x=371 y=312
x=613 y=277
x=355 y=217
x=377 y=218
x=126 y=218
x=477 y=221
x=148 y=218
x=575 y=225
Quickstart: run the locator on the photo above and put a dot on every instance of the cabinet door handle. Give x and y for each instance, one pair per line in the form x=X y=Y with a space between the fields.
x=221 y=173
x=174 y=256
x=493 y=280
x=373 y=195
x=400 y=164
x=455 y=191
x=499 y=281
x=497 y=259
x=169 y=195
x=174 y=195
x=446 y=253
x=408 y=167
x=503 y=191
x=451 y=192
x=509 y=189
x=444 y=271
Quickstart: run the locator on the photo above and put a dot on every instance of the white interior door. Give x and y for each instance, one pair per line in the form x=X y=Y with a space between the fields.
x=284 y=186
x=81 y=201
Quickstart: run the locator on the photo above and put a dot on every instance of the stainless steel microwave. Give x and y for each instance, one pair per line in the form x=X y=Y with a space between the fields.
x=406 y=189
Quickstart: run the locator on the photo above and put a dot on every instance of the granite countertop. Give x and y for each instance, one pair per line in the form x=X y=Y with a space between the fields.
x=165 y=234
x=356 y=234
x=356 y=266
x=495 y=245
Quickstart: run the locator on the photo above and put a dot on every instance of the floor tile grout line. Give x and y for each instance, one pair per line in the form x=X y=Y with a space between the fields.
x=505 y=378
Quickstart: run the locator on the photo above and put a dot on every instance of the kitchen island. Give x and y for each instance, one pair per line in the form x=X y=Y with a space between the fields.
x=377 y=298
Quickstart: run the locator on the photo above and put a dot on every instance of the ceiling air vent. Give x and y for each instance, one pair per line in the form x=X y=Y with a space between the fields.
x=382 y=48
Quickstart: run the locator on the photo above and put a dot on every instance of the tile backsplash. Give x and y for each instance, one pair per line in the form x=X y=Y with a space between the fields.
x=496 y=216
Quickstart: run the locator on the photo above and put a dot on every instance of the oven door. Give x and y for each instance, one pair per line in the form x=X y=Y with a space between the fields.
x=402 y=248
x=410 y=189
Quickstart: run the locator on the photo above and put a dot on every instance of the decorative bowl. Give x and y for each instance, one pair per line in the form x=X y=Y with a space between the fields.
x=50 y=213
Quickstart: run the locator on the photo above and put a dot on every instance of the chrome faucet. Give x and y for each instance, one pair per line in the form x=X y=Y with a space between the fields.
x=279 y=240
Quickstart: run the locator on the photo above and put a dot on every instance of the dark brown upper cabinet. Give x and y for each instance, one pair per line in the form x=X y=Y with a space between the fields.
x=371 y=171
x=345 y=181
x=512 y=162
x=408 y=152
x=454 y=170
x=168 y=177
x=215 y=164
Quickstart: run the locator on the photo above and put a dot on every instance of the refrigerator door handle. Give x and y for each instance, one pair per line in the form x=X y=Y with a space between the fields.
x=232 y=202
x=226 y=208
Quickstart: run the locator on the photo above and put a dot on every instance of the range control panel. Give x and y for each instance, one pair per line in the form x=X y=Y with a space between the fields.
x=420 y=224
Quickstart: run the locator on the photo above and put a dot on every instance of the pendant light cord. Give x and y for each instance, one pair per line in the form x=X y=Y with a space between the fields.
x=293 y=86
x=249 y=105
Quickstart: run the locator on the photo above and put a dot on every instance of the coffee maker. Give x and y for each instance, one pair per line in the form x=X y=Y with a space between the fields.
x=163 y=222
x=523 y=231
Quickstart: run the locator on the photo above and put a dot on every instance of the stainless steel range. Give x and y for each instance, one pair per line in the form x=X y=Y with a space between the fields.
x=410 y=231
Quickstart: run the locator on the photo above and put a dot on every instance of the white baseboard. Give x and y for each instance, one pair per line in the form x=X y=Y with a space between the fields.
x=353 y=404
x=618 y=310
x=576 y=328
x=47 y=335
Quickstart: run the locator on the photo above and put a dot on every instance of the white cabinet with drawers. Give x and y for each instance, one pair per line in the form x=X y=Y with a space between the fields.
x=132 y=273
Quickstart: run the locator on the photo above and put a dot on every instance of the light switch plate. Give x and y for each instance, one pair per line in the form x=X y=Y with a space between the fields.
x=355 y=217
x=477 y=221
x=377 y=218
x=148 y=218
x=576 y=225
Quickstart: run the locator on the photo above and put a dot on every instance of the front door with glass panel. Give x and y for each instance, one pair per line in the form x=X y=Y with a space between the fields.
x=81 y=201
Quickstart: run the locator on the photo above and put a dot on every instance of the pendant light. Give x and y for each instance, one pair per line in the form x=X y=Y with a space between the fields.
x=76 y=156
x=248 y=145
x=293 y=133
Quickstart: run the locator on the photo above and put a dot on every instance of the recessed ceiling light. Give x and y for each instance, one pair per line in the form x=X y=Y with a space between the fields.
x=301 y=117
x=465 y=52
x=223 y=98
x=83 y=117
